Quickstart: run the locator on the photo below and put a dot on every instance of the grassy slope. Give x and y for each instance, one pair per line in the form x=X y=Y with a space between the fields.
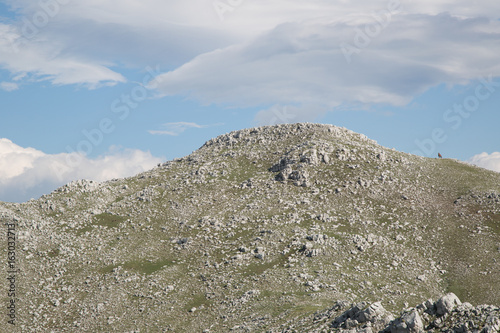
x=141 y=252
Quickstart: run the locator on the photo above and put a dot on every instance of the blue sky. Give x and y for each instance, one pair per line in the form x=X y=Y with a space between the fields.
x=99 y=91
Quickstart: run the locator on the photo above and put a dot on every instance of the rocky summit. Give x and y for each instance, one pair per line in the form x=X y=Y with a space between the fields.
x=288 y=228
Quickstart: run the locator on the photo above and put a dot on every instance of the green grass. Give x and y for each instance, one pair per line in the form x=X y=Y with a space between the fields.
x=493 y=222
x=458 y=287
x=53 y=253
x=145 y=267
x=197 y=301
x=258 y=268
x=108 y=220
x=104 y=220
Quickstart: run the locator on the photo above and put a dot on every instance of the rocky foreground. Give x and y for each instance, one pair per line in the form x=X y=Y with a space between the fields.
x=289 y=228
x=447 y=314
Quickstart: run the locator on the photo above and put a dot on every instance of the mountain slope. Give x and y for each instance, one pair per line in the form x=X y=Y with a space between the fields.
x=256 y=229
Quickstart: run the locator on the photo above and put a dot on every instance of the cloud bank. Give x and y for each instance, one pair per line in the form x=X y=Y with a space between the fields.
x=330 y=62
x=487 y=161
x=263 y=43
x=27 y=172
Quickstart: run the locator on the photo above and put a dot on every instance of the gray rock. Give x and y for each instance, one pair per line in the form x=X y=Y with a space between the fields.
x=284 y=174
x=310 y=157
x=492 y=324
x=374 y=312
x=282 y=165
x=409 y=322
x=374 y=316
x=447 y=303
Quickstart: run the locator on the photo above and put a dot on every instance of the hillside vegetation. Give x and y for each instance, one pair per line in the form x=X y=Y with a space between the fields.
x=272 y=229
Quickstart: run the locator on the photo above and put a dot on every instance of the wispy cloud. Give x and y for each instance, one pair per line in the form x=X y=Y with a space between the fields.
x=46 y=61
x=9 y=86
x=176 y=128
x=28 y=172
x=487 y=161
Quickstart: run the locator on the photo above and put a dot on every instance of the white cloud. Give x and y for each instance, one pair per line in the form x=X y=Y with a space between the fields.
x=47 y=61
x=289 y=48
x=487 y=161
x=28 y=173
x=176 y=128
x=80 y=42
x=303 y=64
x=9 y=86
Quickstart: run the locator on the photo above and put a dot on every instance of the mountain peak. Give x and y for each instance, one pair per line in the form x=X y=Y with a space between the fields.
x=283 y=131
x=263 y=229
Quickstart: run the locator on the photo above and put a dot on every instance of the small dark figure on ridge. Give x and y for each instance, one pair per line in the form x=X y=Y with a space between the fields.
x=439 y=155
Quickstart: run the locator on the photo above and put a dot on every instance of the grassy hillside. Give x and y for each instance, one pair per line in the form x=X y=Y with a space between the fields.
x=257 y=228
